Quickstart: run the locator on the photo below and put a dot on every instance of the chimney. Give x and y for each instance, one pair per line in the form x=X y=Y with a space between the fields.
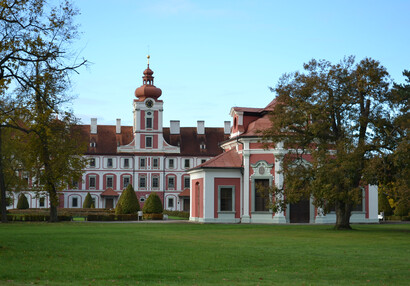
x=200 y=129
x=227 y=127
x=118 y=127
x=93 y=125
x=174 y=127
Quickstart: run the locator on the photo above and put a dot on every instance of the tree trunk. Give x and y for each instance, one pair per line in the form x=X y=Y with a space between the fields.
x=2 y=185
x=343 y=212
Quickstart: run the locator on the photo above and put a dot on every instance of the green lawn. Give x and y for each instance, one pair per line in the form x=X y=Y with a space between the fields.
x=193 y=254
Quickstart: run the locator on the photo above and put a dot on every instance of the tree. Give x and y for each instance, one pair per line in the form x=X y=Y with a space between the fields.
x=22 y=203
x=391 y=169
x=88 y=201
x=332 y=118
x=34 y=47
x=128 y=202
x=153 y=204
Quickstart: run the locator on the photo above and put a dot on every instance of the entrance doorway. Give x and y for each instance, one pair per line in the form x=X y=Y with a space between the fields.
x=186 y=205
x=109 y=203
x=300 y=211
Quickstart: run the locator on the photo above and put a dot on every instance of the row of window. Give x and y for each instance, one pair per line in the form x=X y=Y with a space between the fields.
x=143 y=163
x=142 y=182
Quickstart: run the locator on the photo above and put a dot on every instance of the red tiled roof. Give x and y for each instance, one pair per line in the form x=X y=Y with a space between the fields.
x=258 y=125
x=229 y=159
x=188 y=140
x=109 y=193
x=185 y=193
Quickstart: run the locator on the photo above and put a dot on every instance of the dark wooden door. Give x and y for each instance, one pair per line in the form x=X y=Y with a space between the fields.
x=186 y=205
x=300 y=212
x=109 y=203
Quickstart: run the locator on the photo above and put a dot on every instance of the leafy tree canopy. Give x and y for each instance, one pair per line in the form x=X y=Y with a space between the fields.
x=332 y=118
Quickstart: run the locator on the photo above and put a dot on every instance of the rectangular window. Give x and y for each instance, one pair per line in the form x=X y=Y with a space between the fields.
x=148 y=141
x=143 y=182
x=110 y=182
x=91 y=181
x=186 y=182
x=186 y=163
x=171 y=163
x=125 y=181
x=149 y=122
x=155 y=182
x=42 y=203
x=170 y=202
x=171 y=182
x=261 y=195
x=126 y=163
x=74 y=202
x=155 y=163
x=226 y=199
x=142 y=163
x=92 y=162
x=203 y=161
x=109 y=162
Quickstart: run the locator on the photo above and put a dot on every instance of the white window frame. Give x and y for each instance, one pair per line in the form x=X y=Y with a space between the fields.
x=92 y=163
x=153 y=163
x=143 y=166
x=169 y=163
x=185 y=163
x=233 y=199
x=108 y=163
x=152 y=179
x=151 y=138
x=123 y=181
x=174 y=182
x=140 y=179
x=112 y=181
x=189 y=182
x=170 y=199
x=95 y=181
x=126 y=166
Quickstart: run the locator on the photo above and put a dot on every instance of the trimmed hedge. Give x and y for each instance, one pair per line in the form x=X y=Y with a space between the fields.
x=153 y=216
x=35 y=217
x=153 y=205
x=177 y=213
x=88 y=201
x=128 y=202
x=22 y=203
x=112 y=217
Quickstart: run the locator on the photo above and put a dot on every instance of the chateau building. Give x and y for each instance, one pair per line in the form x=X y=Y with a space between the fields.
x=211 y=172
x=223 y=189
x=147 y=155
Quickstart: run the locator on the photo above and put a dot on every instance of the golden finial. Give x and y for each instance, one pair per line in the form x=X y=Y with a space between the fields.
x=148 y=59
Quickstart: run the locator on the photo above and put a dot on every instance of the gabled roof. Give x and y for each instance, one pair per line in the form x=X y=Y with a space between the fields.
x=109 y=193
x=228 y=159
x=185 y=193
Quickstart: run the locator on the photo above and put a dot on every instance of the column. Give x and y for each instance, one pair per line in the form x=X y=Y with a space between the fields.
x=246 y=217
x=279 y=153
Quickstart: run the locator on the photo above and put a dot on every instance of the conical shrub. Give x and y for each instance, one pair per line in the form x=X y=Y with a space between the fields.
x=128 y=202
x=22 y=203
x=153 y=204
x=88 y=201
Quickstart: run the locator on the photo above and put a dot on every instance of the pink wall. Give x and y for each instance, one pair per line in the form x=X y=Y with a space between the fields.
x=236 y=182
x=196 y=199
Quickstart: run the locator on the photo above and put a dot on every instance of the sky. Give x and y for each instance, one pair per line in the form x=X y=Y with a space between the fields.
x=208 y=56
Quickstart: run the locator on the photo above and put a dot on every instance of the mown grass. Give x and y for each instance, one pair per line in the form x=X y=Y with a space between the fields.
x=193 y=254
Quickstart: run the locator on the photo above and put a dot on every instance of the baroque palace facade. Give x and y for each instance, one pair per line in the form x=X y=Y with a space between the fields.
x=147 y=155
x=210 y=172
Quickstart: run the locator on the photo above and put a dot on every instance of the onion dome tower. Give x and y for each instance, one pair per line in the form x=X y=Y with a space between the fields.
x=148 y=89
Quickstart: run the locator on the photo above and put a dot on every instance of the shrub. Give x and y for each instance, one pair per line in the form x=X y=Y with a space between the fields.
x=402 y=208
x=88 y=201
x=384 y=205
x=22 y=203
x=153 y=216
x=177 y=213
x=128 y=202
x=153 y=204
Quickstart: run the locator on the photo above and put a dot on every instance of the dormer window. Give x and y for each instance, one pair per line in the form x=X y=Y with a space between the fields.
x=202 y=146
x=93 y=144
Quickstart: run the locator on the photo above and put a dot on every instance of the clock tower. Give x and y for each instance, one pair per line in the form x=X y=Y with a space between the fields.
x=148 y=125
